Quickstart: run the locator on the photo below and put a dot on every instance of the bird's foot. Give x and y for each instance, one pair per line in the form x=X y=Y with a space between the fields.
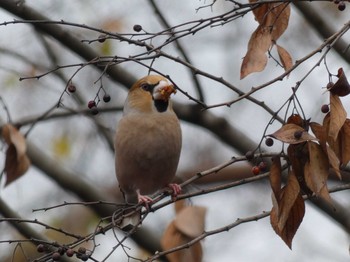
x=176 y=190
x=144 y=200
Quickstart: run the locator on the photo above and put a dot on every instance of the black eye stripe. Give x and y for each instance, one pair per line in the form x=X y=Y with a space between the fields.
x=148 y=87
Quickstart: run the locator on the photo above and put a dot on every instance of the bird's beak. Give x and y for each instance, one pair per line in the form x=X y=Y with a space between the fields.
x=163 y=90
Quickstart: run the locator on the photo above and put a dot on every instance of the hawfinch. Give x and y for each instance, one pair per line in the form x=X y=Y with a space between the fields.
x=147 y=142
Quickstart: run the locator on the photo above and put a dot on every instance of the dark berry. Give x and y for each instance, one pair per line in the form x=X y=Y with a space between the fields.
x=137 y=28
x=56 y=256
x=325 y=108
x=94 y=110
x=262 y=166
x=269 y=141
x=72 y=88
x=341 y=6
x=106 y=98
x=298 y=134
x=84 y=257
x=69 y=252
x=91 y=104
x=101 y=38
x=82 y=250
x=256 y=170
x=249 y=155
x=40 y=248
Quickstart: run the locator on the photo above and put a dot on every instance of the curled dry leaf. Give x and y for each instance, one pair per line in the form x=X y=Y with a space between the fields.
x=275 y=175
x=341 y=87
x=287 y=134
x=273 y=20
x=188 y=224
x=316 y=171
x=285 y=58
x=337 y=116
x=17 y=161
x=345 y=145
x=321 y=133
x=288 y=210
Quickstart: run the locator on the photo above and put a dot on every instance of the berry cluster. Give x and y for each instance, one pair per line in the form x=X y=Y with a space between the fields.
x=81 y=254
x=341 y=4
x=257 y=169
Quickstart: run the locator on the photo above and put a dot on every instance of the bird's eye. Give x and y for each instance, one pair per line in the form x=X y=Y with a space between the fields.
x=147 y=87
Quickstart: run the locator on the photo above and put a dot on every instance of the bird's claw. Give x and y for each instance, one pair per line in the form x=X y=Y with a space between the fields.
x=176 y=190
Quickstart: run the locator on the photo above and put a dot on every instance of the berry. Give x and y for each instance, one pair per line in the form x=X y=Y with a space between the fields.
x=341 y=6
x=84 y=257
x=269 y=141
x=298 y=134
x=256 y=170
x=262 y=166
x=325 y=108
x=40 y=248
x=137 y=28
x=249 y=155
x=72 y=88
x=82 y=250
x=56 y=256
x=101 y=38
x=70 y=252
x=106 y=98
x=94 y=110
x=91 y=104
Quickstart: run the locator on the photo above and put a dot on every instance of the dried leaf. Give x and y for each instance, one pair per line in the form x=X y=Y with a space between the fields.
x=273 y=21
x=287 y=134
x=173 y=238
x=275 y=175
x=190 y=221
x=321 y=133
x=17 y=161
x=285 y=58
x=345 y=145
x=337 y=116
x=287 y=217
x=341 y=87
x=188 y=224
x=255 y=60
x=298 y=156
x=317 y=170
x=297 y=120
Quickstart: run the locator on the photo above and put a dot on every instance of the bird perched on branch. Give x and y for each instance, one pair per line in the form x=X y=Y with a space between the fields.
x=147 y=143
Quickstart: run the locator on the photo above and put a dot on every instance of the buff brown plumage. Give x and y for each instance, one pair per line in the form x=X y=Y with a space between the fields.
x=147 y=142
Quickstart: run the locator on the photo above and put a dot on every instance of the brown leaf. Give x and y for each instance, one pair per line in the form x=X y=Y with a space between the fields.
x=273 y=21
x=173 y=238
x=17 y=161
x=345 y=145
x=285 y=58
x=298 y=156
x=337 y=116
x=287 y=134
x=287 y=217
x=317 y=170
x=321 y=133
x=275 y=176
x=255 y=60
x=187 y=225
x=190 y=221
x=341 y=87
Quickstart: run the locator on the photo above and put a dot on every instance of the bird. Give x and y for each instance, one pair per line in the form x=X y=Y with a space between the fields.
x=147 y=143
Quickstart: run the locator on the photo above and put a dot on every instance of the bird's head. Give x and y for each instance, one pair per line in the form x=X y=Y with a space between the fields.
x=150 y=94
